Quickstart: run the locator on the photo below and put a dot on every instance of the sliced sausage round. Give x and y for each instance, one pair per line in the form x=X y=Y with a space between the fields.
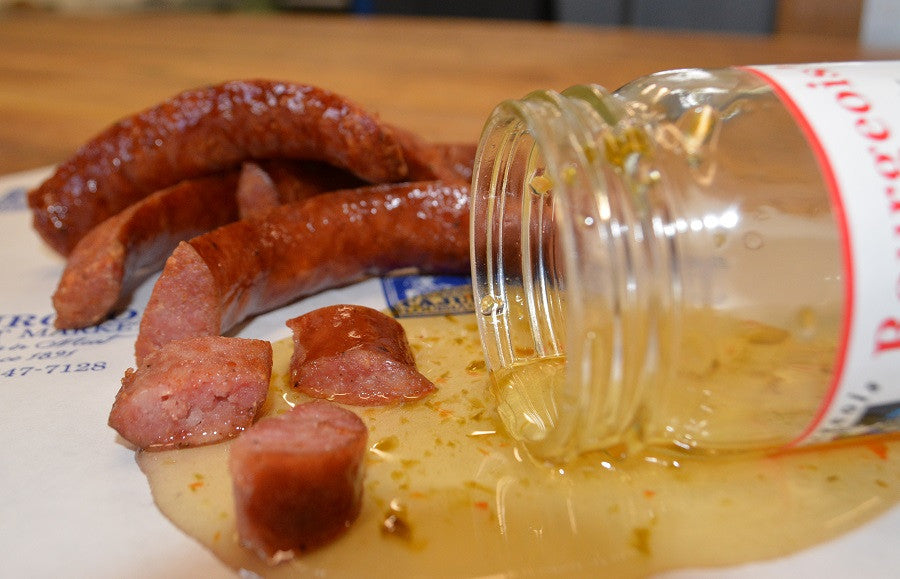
x=298 y=479
x=193 y=392
x=354 y=355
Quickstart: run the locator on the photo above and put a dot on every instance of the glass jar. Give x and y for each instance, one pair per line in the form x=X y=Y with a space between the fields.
x=669 y=265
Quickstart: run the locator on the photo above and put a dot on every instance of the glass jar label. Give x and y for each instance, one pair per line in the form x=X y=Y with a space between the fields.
x=850 y=113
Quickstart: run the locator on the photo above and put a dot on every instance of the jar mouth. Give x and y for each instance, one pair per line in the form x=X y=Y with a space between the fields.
x=514 y=266
x=516 y=269
x=553 y=270
x=533 y=153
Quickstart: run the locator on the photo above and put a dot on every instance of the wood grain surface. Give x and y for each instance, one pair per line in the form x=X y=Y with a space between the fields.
x=64 y=78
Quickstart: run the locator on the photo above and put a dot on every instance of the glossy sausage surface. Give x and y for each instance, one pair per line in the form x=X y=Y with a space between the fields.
x=205 y=130
x=354 y=355
x=214 y=281
x=123 y=250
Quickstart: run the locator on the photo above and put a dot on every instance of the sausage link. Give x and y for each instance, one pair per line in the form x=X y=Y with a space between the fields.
x=296 y=180
x=269 y=182
x=120 y=252
x=256 y=192
x=116 y=255
x=214 y=281
x=202 y=131
x=448 y=162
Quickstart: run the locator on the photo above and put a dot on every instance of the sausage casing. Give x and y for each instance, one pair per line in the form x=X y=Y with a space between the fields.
x=214 y=281
x=123 y=250
x=206 y=130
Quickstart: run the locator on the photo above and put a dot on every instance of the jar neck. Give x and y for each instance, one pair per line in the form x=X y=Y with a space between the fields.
x=572 y=268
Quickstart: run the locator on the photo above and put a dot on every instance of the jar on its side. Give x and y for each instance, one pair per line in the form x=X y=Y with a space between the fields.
x=662 y=265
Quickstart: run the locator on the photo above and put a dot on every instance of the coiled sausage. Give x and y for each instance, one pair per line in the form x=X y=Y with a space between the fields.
x=202 y=131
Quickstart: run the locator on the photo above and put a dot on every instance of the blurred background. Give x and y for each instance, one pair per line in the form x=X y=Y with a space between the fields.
x=876 y=23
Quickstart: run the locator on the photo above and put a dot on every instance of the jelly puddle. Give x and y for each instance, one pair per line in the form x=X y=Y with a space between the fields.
x=448 y=494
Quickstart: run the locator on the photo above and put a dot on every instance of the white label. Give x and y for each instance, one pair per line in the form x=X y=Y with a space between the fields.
x=850 y=113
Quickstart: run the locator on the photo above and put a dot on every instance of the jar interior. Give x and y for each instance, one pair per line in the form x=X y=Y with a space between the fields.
x=565 y=331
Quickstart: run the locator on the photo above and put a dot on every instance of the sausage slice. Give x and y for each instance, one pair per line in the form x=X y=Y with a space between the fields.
x=298 y=479
x=193 y=392
x=354 y=355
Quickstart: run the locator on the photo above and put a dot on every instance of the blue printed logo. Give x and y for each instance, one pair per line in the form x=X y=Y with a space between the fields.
x=13 y=200
x=422 y=295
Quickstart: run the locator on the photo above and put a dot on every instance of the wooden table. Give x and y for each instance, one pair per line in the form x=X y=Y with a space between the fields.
x=75 y=503
x=62 y=79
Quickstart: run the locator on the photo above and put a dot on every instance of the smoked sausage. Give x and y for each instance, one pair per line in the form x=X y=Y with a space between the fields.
x=298 y=479
x=215 y=280
x=256 y=192
x=206 y=130
x=123 y=250
x=354 y=355
x=297 y=180
x=193 y=392
x=447 y=162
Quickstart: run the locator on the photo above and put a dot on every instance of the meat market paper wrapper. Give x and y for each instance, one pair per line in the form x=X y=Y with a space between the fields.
x=73 y=502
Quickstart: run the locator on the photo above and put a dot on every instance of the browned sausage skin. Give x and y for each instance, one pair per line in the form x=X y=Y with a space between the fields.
x=205 y=130
x=459 y=158
x=256 y=192
x=354 y=355
x=448 y=162
x=213 y=281
x=117 y=254
x=296 y=180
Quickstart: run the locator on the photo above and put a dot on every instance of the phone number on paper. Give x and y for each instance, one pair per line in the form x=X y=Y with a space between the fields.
x=68 y=368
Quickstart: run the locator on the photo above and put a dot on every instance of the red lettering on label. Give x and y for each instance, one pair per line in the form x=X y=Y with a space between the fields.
x=828 y=83
x=859 y=110
x=873 y=129
x=886 y=166
x=887 y=336
x=849 y=114
x=853 y=102
x=895 y=205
